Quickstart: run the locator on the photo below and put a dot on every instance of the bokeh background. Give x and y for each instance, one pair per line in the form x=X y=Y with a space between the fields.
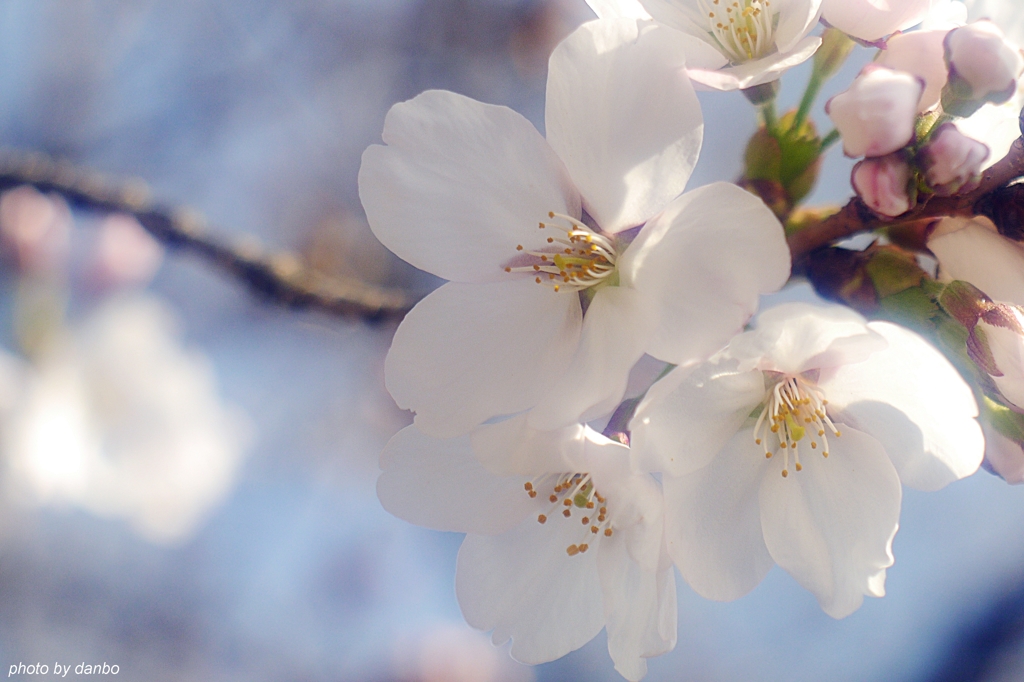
x=187 y=473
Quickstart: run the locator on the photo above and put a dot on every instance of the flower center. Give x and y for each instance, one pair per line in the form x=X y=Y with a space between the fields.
x=794 y=413
x=575 y=491
x=743 y=28
x=577 y=258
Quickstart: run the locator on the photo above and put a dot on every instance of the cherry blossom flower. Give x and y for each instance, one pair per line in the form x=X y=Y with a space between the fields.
x=876 y=114
x=563 y=537
x=870 y=20
x=731 y=44
x=118 y=419
x=885 y=184
x=790 y=446
x=529 y=231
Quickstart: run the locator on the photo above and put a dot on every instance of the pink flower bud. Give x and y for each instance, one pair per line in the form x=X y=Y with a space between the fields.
x=920 y=53
x=875 y=116
x=125 y=254
x=983 y=67
x=870 y=20
x=952 y=161
x=35 y=229
x=885 y=184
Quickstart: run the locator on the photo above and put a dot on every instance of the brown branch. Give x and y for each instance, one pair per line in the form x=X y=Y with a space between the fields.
x=856 y=217
x=280 y=278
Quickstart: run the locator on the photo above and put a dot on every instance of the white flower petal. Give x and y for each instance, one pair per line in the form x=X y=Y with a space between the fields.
x=713 y=521
x=688 y=416
x=831 y=525
x=984 y=258
x=683 y=16
x=618 y=9
x=616 y=328
x=635 y=503
x=639 y=606
x=796 y=19
x=513 y=447
x=438 y=484
x=871 y=20
x=460 y=184
x=524 y=586
x=703 y=262
x=469 y=352
x=795 y=337
x=757 y=71
x=916 y=404
x=624 y=118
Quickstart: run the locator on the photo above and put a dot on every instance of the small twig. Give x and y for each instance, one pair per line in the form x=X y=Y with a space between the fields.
x=279 y=278
x=855 y=217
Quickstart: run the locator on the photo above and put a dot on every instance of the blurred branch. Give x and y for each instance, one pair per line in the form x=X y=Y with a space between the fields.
x=856 y=217
x=279 y=278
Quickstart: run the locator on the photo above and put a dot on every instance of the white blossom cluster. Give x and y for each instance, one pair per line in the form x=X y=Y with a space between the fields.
x=785 y=439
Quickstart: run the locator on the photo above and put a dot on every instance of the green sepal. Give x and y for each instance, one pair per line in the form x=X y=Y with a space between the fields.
x=1008 y=422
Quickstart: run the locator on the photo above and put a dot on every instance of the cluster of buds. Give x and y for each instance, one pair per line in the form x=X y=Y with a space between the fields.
x=898 y=113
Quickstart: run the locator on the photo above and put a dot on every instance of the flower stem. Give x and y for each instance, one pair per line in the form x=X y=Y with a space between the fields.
x=830 y=139
x=810 y=94
x=771 y=119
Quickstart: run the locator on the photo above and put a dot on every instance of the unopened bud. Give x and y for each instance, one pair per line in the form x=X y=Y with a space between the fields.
x=951 y=161
x=876 y=115
x=885 y=184
x=983 y=67
x=920 y=53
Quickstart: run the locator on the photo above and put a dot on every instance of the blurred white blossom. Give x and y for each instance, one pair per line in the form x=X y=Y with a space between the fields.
x=117 y=418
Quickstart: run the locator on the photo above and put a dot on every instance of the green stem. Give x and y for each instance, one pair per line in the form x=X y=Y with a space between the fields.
x=771 y=119
x=810 y=94
x=828 y=140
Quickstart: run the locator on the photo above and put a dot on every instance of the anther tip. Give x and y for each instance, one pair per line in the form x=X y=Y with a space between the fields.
x=799 y=467
x=785 y=473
